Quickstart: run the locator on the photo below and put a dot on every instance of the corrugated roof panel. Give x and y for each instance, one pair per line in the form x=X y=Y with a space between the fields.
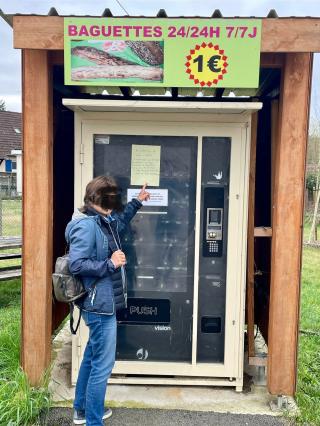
x=53 y=12
x=107 y=13
x=272 y=14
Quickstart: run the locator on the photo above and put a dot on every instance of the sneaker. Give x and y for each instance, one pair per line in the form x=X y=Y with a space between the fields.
x=79 y=417
x=107 y=413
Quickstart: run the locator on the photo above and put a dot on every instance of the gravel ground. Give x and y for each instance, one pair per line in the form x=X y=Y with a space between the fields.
x=152 y=417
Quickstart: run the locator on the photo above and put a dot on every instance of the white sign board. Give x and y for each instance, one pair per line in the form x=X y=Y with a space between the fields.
x=158 y=197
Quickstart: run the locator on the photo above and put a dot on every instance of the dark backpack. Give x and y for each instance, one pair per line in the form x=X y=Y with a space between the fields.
x=67 y=287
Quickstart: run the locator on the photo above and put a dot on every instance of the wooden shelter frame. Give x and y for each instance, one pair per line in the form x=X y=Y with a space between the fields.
x=287 y=44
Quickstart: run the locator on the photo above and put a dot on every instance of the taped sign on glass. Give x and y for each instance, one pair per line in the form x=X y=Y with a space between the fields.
x=158 y=197
x=145 y=165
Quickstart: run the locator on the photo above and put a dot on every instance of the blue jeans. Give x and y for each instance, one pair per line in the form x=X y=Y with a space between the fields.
x=96 y=366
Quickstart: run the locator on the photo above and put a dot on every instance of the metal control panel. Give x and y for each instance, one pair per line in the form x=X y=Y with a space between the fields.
x=213 y=255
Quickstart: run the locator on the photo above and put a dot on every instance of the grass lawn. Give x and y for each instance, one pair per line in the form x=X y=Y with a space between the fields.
x=307 y=227
x=20 y=404
x=308 y=395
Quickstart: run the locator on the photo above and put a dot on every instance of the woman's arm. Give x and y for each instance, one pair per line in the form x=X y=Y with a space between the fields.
x=82 y=245
x=131 y=208
x=128 y=213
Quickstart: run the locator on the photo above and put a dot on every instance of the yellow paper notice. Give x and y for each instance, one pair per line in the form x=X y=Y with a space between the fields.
x=145 y=165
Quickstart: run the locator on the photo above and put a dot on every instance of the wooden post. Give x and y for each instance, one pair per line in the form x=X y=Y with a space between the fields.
x=250 y=255
x=37 y=214
x=287 y=223
x=274 y=140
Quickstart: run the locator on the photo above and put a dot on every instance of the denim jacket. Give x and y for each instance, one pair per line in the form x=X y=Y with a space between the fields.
x=88 y=256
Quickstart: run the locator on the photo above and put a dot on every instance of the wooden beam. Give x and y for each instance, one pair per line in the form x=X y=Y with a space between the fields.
x=290 y=35
x=56 y=57
x=262 y=231
x=274 y=145
x=287 y=224
x=278 y=35
x=272 y=60
x=38 y=32
x=37 y=214
x=250 y=253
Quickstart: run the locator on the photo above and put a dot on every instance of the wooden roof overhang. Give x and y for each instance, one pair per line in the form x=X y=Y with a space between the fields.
x=278 y=34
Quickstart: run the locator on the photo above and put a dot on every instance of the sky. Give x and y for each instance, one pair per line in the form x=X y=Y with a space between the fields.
x=10 y=59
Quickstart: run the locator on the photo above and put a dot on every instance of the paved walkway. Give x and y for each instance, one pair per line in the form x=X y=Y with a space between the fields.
x=152 y=417
x=254 y=400
x=155 y=405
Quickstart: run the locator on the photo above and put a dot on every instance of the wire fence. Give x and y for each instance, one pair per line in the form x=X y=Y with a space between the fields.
x=10 y=216
x=10 y=207
x=10 y=228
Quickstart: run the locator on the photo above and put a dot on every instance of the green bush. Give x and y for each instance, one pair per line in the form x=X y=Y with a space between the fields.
x=20 y=403
x=311 y=182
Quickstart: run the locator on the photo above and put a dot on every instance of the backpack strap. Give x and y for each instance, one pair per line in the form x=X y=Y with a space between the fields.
x=74 y=331
x=71 y=304
x=67 y=248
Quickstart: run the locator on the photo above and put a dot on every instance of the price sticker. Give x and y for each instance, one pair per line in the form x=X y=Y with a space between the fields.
x=206 y=64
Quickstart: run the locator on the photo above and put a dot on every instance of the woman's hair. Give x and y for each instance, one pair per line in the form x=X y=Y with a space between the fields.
x=104 y=192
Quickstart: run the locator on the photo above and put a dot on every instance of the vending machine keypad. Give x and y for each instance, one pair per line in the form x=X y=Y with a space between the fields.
x=214 y=231
x=213 y=198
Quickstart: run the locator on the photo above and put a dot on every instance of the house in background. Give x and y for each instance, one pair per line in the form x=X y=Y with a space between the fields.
x=10 y=153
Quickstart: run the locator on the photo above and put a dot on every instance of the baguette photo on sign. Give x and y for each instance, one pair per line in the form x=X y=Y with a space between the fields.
x=117 y=60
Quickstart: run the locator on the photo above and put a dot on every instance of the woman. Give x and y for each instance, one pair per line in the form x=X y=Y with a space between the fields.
x=95 y=255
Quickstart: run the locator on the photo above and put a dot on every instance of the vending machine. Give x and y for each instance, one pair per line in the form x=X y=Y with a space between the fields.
x=186 y=247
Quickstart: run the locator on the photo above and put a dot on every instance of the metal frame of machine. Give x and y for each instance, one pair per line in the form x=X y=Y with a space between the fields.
x=179 y=119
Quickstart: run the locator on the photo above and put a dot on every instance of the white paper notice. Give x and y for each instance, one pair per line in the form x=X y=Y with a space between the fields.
x=158 y=197
x=145 y=165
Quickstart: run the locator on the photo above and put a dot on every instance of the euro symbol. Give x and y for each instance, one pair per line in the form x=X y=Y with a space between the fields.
x=213 y=63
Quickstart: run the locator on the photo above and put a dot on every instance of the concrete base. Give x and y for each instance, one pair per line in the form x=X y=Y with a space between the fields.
x=253 y=400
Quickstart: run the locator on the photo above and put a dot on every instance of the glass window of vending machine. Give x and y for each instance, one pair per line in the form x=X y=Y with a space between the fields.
x=186 y=248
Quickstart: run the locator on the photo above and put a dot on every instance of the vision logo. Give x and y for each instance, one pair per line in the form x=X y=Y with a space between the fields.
x=162 y=328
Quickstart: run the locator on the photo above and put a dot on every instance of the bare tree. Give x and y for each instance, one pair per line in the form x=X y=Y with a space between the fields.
x=313 y=229
x=315 y=135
